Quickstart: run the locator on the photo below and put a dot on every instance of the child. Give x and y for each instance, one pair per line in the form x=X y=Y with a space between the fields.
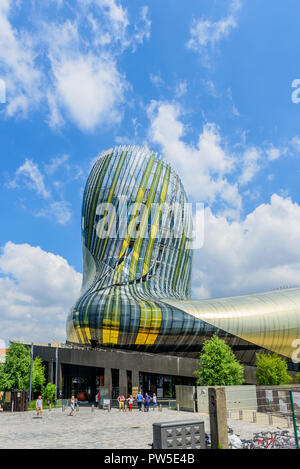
x=72 y=404
x=154 y=401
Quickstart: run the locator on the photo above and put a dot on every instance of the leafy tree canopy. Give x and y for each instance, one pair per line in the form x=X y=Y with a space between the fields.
x=218 y=365
x=48 y=392
x=15 y=372
x=271 y=370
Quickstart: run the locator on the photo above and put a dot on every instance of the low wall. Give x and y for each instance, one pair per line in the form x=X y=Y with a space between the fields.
x=237 y=398
x=264 y=399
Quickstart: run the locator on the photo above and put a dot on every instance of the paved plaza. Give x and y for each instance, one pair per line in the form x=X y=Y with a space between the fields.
x=98 y=429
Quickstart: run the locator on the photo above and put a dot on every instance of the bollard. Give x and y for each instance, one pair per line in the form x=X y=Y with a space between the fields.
x=92 y=408
x=63 y=408
x=254 y=418
x=288 y=421
x=218 y=417
x=270 y=419
x=49 y=407
x=240 y=415
x=160 y=408
x=178 y=408
x=77 y=408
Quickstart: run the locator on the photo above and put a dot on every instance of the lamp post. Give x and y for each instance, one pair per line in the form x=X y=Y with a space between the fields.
x=31 y=369
x=56 y=372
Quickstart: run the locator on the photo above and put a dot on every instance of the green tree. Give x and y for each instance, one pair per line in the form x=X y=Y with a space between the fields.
x=218 y=365
x=38 y=374
x=271 y=370
x=15 y=372
x=48 y=392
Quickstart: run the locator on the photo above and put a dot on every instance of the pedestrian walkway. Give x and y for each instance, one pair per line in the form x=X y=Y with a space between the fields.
x=98 y=429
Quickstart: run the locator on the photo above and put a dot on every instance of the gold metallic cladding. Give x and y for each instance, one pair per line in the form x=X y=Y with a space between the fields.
x=270 y=320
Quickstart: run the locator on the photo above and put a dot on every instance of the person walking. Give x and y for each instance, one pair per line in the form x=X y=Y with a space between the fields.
x=1 y=401
x=154 y=401
x=39 y=406
x=72 y=405
x=147 y=400
x=121 y=401
x=97 y=398
x=139 y=399
x=130 y=403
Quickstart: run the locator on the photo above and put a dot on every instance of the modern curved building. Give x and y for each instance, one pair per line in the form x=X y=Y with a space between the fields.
x=136 y=233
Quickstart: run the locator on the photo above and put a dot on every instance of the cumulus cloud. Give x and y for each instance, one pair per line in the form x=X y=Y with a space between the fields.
x=18 y=65
x=258 y=253
x=204 y=166
x=89 y=88
x=67 y=65
x=207 y=33
x=37 y=288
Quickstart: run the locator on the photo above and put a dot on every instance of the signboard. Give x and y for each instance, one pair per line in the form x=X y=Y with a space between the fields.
x=103 y=394
x=160 y=392
x=135 y=390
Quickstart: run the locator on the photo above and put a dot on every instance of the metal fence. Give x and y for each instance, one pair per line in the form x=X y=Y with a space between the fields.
x=273 y=425
x=258 y=416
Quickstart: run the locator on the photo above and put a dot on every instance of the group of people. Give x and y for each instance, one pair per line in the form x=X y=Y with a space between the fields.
x=141 y=400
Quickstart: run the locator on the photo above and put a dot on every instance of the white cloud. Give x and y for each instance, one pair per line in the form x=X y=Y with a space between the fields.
x=56 y=163
x=259 y=253
x=251 y=165
x=204 y=32
x=70 y=67
x=211 y=88
x=181 y=89
x=90 y=89
x=116 y=13
x=37 y=288
x=30 y=175
x=202 y=167
x=295 y=143
x=274 y=153
x=60 y=212
x=156 y=79
x=18 y=70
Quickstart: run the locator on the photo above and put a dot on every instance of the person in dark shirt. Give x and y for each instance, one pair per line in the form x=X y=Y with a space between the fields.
x=139 y=399
x=147 y=400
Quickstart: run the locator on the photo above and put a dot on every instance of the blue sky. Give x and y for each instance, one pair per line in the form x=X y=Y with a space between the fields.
x=206 y=83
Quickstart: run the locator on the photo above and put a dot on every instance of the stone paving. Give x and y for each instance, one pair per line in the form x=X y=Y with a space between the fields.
x=98 y=429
